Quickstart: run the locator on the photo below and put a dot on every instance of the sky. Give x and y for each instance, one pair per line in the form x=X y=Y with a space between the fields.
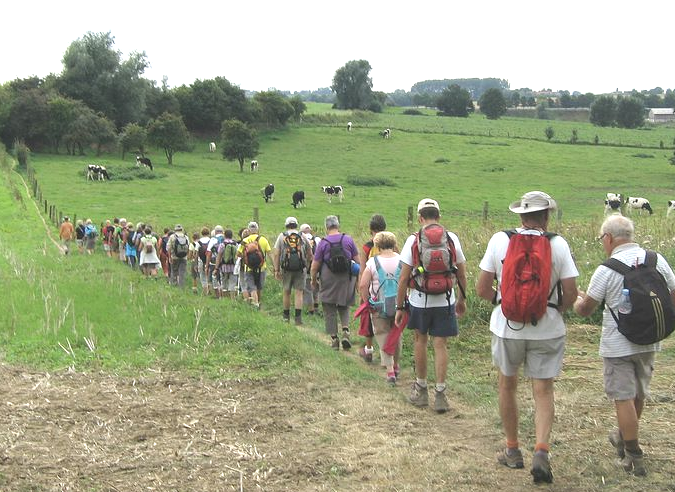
x=593 y=46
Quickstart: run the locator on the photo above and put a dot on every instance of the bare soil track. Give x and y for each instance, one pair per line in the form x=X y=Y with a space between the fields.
x=168 y=432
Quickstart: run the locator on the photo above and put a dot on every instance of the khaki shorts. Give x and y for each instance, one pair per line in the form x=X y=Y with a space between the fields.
x=293 y=280
x=627 y=378
x=541 y=359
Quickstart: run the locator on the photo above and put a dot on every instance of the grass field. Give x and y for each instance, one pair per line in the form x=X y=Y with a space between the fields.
x=303 y=409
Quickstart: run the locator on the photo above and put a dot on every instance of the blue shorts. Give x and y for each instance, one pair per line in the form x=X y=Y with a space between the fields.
x=434 y=321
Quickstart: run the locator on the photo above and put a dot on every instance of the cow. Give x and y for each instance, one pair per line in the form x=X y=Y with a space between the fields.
x=349 y=126
x=96 y=172
x=143 y=161
x=212 y=147
x=298 y=199
x=386 y=133
x=334 y=190
x=613 y=203
x=639 y=203
x=671 y=207
x=268 y=192
x=254 y=166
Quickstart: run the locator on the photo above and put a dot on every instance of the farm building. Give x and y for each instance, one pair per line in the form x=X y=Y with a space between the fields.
x=661 y=115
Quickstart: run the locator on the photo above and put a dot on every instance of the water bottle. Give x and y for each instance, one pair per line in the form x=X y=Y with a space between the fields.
x=625 y=306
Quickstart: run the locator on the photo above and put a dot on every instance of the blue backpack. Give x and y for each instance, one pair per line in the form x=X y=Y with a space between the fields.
x=384 y=301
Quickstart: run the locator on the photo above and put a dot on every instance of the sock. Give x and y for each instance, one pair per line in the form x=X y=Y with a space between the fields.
x=511 y=445
x=541 y=447
x=298 y=313
x=391 y=374
x=345 y=332
x=440 y=387
x=368 y=350
x=333 y=337
x=632 y=446
x=287 y=313
x=422 y=382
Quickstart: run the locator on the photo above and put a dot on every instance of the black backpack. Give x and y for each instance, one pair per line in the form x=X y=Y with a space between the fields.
x=201 y=251
x=292 y=257
x=652 y=317
x=338 y=261
x=181 y=245
x=131 y=236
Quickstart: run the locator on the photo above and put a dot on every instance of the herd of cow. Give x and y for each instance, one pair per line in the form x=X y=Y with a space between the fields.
x=96 y=172
x=614 y=201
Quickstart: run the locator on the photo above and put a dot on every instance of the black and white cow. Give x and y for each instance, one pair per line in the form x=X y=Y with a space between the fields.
x=613 y=203
x=349 y=126
x=386 y=133
x=143 y=161
x=298 y=199
x=331 y=191
x=671 y=207
x=268 y=192
x=638 y=203
x=254 y=166
x=97 y=173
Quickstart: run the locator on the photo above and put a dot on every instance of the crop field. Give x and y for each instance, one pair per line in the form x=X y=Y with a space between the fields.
x=115 y=382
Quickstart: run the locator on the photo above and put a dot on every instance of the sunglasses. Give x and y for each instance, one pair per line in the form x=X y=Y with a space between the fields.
x=601 y=237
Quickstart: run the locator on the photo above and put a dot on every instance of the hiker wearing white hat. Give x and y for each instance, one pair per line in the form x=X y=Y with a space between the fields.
x=526 y=323
x=292 y=258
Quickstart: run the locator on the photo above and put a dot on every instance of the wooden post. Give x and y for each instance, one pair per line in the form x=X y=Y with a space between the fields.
x=485 y=211
x=46 y=207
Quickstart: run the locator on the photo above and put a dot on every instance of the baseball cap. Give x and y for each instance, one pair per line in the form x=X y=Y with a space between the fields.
x=253 y=226
x=305 y=227
x=290 y=221
x=218 y=229
x=428 y=203
x=178 y=227
x=533 y=201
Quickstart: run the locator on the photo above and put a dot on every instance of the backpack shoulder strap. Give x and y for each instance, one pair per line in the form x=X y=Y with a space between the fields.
x=510 y=232
x=617 y=266
x=651 y=258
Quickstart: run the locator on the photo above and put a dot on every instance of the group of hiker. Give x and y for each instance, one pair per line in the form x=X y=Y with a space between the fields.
x=527 y=273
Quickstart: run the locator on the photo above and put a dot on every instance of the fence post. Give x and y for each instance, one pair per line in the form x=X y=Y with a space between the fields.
x=485 y=211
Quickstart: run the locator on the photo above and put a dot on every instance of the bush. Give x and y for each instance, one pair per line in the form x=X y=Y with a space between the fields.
x=128 y=173
x=21 y=153
x=369 y=181
x=413 y=112
x=442 y=160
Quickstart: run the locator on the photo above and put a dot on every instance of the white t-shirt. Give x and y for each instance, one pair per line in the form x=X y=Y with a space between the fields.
x=420 y=299
x=607 y=284
x=551 y=325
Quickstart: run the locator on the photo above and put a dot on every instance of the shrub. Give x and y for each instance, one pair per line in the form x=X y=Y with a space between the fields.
x=21 y=153
x=369 y=181
x=442 y=160
x=549 y=132
x=644 y=156
x=413 y=112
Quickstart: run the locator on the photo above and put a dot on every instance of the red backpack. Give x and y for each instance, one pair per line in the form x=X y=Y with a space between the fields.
x=434 y=259
x=526 y=276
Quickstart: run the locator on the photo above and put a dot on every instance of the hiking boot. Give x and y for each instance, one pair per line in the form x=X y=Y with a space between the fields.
x=634 y=462
x=298 y=321
x=346 y=344
x=617 y=441
x=541 y=468
x=391 y=380
x=335 y=343
x=440 y=402
x=512 y=458
x=365 y=355
x=419 y=396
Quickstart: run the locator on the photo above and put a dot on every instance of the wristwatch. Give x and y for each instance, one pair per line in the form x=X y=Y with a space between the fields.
x=400 y=308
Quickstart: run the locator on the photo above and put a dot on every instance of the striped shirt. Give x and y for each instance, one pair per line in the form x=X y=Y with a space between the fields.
x=606 y=284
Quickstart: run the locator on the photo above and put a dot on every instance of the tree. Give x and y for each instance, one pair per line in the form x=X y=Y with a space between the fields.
x=169 y=132
x=103 y=132
x=492 y=104
x=62 y=114
x=275 y=109
x=133 y=136
x=603 y=111
x=516 y=99
x=352 y=86
x=93 y=72
x=455 y=101
x=81 y=131
x=630 y=113
x=238 y=141
x=299 y=107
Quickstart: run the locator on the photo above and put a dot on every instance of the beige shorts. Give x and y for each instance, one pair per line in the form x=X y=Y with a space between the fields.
x=294 y=280
x=541 y=359
x=627 y=378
